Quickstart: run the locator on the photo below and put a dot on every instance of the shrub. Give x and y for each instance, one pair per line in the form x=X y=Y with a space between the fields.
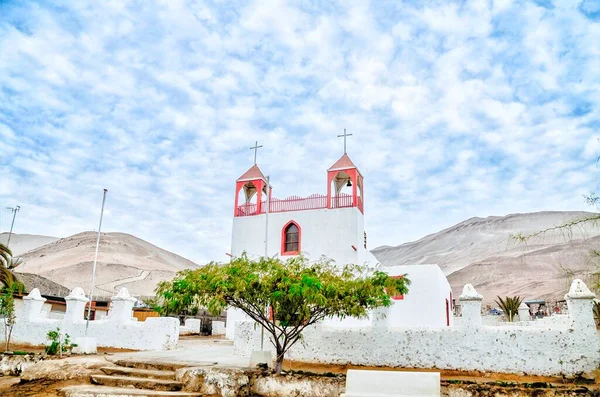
x=59 y=343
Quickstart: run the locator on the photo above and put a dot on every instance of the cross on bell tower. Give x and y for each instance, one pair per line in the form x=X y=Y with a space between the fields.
x=345 y=135
x=255 y=148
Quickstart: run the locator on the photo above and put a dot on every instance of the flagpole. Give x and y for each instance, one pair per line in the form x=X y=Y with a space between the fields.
x=95 y=262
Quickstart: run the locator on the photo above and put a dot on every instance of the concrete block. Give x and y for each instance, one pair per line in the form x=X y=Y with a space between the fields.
x=85 y=345
x=218 y=328
x=261 y=357
x=361 y=383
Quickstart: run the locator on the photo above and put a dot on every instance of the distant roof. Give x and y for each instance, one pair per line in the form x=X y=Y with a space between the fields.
x=253 y=173
x=343 y=163
x=47 y=287
x=535 y=302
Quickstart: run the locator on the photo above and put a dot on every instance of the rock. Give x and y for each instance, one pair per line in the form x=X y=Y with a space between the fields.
x=13 y=365
x=63 y=369
x=298 y=386
x=214 y=381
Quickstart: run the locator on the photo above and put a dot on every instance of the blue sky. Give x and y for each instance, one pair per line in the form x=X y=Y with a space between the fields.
x=458 y=109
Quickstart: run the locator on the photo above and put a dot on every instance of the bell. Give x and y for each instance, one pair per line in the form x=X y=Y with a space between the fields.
x=349 y=184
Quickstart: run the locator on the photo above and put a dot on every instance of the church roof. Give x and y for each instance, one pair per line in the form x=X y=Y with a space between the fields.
x=343 y=163
x=253 y=173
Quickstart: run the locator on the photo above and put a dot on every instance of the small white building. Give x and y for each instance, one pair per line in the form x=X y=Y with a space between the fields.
x=429 y=302
x=330 y=225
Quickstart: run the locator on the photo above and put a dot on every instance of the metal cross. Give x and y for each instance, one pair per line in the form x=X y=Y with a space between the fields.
x=344 y=135
x=255 y=148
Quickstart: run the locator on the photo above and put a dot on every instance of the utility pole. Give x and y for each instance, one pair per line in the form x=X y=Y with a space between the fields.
x=262 y=329
x=14 y=211
x=87 y=324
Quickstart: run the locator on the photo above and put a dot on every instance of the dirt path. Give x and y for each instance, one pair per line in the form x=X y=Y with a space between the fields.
x=10 y=386
x=111 y=287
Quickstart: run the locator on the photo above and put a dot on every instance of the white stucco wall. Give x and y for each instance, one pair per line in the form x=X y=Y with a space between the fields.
x=329 y=232
x=425 y=303
x=118 y=330
x=553 y=350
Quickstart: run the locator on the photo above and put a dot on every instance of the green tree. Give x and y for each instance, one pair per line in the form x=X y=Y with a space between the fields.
x=510 y=306
x=283 y=297
x=7 y=310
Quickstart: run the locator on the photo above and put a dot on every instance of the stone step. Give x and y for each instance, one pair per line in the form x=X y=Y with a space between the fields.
x=149 y=364
x=138 y=383
x=139 y=373
x=106 y=391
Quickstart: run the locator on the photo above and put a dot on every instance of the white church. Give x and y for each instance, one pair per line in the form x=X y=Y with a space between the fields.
x=330 y=225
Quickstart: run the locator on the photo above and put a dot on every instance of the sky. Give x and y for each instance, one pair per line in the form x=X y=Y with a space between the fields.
x=457 y=109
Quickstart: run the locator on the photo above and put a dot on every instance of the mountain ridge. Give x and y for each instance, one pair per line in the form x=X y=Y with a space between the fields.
x=540 y=267
x=124 y=260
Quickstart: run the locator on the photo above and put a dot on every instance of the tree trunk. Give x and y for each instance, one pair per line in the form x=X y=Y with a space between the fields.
x=279 y=362
x=6 y=337
x=10 y=330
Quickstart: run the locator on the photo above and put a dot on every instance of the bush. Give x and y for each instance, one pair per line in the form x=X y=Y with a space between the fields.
x=59 y=343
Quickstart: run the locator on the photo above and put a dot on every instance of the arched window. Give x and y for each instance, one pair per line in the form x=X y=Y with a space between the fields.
x=290 y=239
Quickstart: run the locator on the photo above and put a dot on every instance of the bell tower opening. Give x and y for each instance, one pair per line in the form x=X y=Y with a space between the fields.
x=250 y=193
x=344 y=185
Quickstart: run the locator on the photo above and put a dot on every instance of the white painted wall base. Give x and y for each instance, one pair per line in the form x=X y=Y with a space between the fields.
x=567 y=349
x=118 y=330
x=85 y=345
x=261 y=357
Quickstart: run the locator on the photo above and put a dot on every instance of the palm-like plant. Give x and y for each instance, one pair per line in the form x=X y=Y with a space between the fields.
x=510 y=306
x=7 y=262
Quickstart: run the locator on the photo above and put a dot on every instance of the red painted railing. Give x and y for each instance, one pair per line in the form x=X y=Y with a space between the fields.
x=246 y=210
x=341 y=201
x=295 y=203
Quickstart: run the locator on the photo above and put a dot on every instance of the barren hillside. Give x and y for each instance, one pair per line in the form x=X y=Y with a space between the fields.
x=21 y=243
x=123 y=261
x=481 y=251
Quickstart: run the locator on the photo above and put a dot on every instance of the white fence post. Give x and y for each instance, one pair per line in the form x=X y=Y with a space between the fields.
x=32 y=305
x=580 y=301
x=122 y=307
x=470 y=302
x=76 y=302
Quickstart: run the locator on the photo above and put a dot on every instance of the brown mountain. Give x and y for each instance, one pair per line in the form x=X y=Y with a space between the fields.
x=482 y=251
x=123 y=261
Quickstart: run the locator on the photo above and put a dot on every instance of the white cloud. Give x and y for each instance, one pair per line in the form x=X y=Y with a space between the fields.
x=457 y=110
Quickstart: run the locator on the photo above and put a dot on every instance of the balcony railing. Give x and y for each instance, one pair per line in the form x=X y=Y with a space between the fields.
x=295 y=203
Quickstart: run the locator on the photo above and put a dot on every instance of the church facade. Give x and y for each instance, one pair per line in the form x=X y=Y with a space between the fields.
x=330 y=225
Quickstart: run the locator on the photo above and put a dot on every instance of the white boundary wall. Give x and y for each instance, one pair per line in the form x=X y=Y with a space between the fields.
x=552 y=350
x=117 y=330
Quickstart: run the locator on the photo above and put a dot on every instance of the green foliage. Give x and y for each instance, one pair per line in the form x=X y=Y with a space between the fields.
x=597 y=312
x=283 y=297
x=510 y=306
x=7 y=262
x=7 y=310
x=59 y=343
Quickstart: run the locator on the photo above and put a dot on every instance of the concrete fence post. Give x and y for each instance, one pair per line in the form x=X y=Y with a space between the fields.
x=470 y=302
x=122 y=307
x=580 y=301
x=76 y=302
x=380 y=317
x=524 y=312
x=32 y=305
